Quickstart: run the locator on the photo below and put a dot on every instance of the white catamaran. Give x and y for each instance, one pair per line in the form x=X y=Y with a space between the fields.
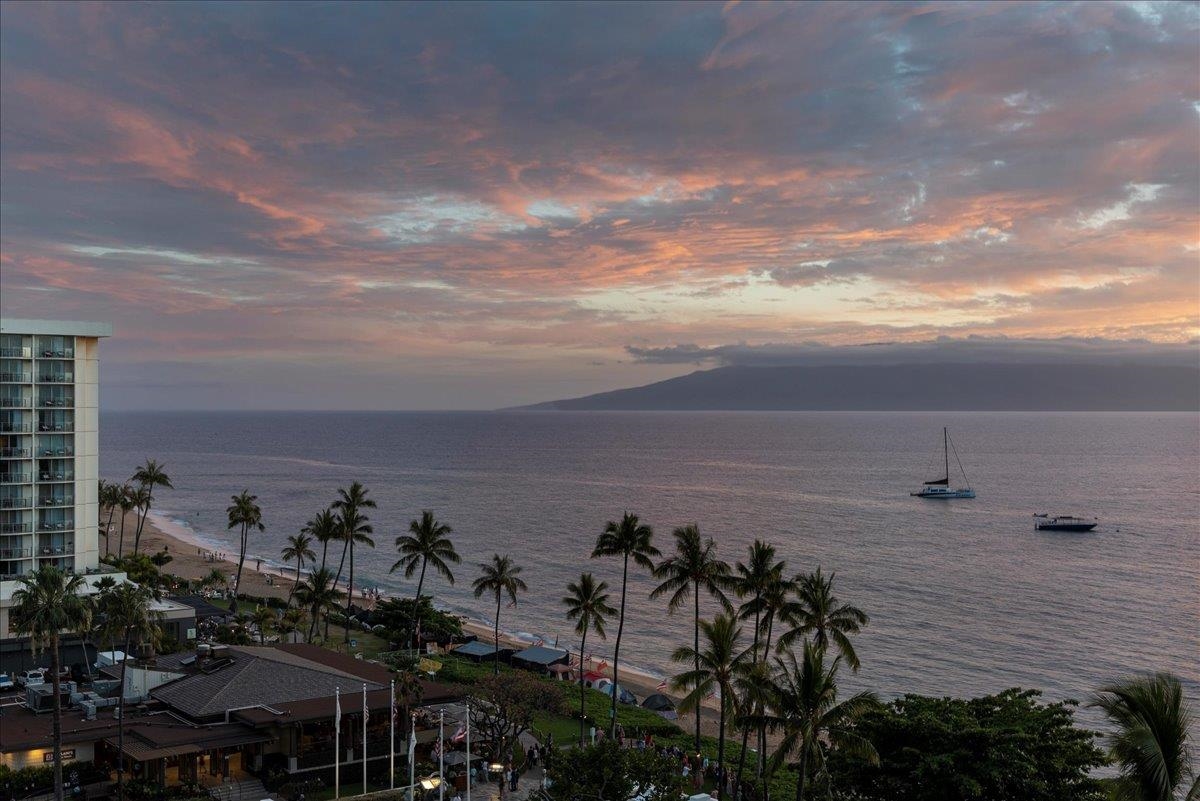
x=939 y=489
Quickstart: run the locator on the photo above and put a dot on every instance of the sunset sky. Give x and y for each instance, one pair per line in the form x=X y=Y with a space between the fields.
x=465 y=206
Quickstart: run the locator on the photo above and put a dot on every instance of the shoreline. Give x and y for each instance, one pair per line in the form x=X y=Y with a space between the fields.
x=190 y=552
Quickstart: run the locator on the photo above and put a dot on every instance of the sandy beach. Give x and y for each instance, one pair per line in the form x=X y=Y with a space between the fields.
x=191 y=559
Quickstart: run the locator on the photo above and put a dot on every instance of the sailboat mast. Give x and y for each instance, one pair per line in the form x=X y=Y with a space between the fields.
x=946 y=452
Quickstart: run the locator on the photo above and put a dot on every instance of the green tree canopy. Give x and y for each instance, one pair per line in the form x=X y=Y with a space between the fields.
x=605 y=771
x=1006 y=747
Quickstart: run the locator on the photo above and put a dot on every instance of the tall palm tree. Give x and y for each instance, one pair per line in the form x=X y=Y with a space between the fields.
x=245 y=514
x=751 y=581
x=298 y=549
x=821 y=614
x=215 y=578
x=324 y=529
x=804 y=710
x=1150 y=741
x=318 y=593
x=128 y=615
x=46 y=603
x=108 y=496
x=293 y=619
x=130 y=499
x=148 y=476
x=355 y=529
x=264 y=618
x=716 y=668
x=628 y=539
x=693 y=567
x=500 y=577
x=587 y=604
x=427 y=542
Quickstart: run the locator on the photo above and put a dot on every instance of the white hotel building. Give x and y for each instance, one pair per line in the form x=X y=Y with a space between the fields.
x=49 y=449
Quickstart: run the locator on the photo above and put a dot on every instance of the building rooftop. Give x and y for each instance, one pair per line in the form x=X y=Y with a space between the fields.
x=540 y=655
x=66 y=328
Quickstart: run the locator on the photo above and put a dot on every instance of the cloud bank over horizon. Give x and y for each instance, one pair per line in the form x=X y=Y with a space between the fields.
x=480 y=205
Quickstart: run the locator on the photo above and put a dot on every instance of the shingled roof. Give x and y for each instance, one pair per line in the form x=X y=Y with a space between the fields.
x=269 y=677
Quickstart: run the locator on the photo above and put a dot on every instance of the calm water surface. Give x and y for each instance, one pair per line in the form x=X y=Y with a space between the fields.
x=965 y=597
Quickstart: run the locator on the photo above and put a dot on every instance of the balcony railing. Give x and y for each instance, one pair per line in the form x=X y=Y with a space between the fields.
x=14 y=428
x=46 y=551
x=16 y=378
x=16 y=353
x=14 y=453
x=56 y=428
x=67 y=476
x=14 y=478
x=56 y=451
x=49 y=353
x=56 y=378
x=57 y=500
x=58 y=402
x=15 y=503
x=51 y=526
x=15 y=403
x=15 y=553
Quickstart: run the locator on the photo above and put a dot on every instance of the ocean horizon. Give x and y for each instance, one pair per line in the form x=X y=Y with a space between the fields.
x=965 y=597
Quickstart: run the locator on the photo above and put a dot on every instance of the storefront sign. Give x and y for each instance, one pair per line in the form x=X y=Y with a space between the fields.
x=67 y=754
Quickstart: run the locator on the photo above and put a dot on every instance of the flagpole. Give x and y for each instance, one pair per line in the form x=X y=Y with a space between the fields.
x=337 y=741
x=468 y=752
x=392 y=737
x=441 y=756
x=412 y=757
x=365 y=713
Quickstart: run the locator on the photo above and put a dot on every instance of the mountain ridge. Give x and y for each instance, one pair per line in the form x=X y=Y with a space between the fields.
x=908 y=387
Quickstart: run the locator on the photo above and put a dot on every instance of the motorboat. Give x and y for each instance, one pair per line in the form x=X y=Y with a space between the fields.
x=1045 y=522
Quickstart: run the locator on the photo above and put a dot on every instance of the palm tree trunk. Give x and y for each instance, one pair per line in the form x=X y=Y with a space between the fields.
x=582 y=689
x=121 y=725
x=412 y=628
x=137 y=540
x=56 y=731
x=292 y=593
x=496 y=640
x=112 y=510
x=762 y=728
x=349 y=593
x=696 y=655
x=121 y=541
x=612 y=725
x=737 y=785
x=237 y=582
x=721 y=744
x=801 y=779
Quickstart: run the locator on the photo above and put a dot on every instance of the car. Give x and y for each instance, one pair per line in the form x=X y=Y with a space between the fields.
x=6 y=682
x=27 y=678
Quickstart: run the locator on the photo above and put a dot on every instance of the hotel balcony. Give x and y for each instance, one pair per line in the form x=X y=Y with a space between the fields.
x=16 y=553
x=15 y=478
x=56 y=427
x=53 y=526
x=53 y=501
x=56 y=378
x=10 y=427
x=56 y=353
x=15 y=453
x=16 y=503
x=55 y=551
x=16 y=353
x=16 y=378
x=14 y=528
x=16 y=402
x=44 y=451
x=59 y=475
x=66 y=402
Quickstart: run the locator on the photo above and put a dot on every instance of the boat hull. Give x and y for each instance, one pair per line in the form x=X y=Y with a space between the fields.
x=944 y=494
x=1078 y=527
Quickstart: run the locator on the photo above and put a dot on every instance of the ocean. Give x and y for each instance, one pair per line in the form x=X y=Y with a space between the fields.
x=965 y=598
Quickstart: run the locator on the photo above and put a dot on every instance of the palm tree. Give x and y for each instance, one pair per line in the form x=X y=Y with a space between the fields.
x=215 y=578
x=501 y=577
x=820 y=613
x=804 y=709
x=716 y=667
x=46 y=603
x=318 y=593
x=245 y=513
x=355 y=528
x=1152 y=721
x=587 y=604
x=628 y=539
x=427 y=542
x=324 y=529
x=264 y=617
x=130 y=499
x=751 y=581
x=128 y=614
x=299 y=549
x=693 y=567
x=148 y=476
x=293 y=619
x=109 y=496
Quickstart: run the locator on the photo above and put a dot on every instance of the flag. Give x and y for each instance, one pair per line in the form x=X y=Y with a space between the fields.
x=412 y=740
x=337 y=709
x=366 y=712
x=539 y=642
x=662 y=685
x=437 y=749
x=459 y=734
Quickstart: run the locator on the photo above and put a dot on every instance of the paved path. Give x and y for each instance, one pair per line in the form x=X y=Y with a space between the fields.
x=531 y=781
